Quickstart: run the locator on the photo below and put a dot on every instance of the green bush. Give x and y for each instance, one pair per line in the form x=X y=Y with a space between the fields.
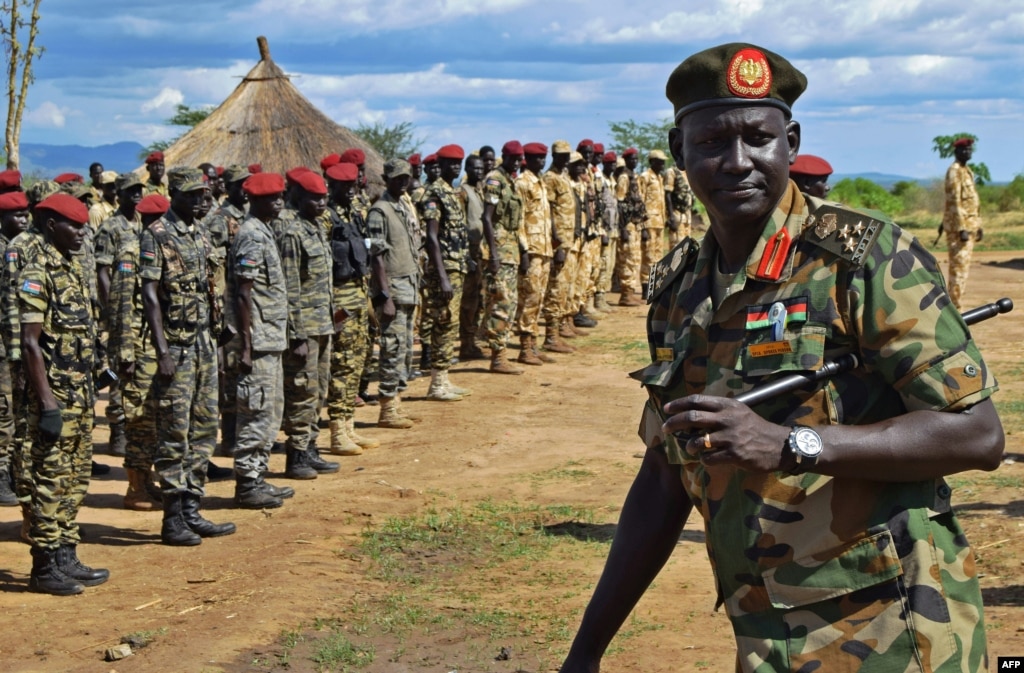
x=863 y=193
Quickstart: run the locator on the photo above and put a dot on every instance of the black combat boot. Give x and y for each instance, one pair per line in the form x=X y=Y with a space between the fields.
x=46 y=577
x=296 y=466
x=215 y=472
x=249 y=494
x=314 y=460
x=583 y=320
x=7 y=496
x=118 y=443
x=283 y=492
x=175 y=532
x=195 y=521
x=68 y=563
x=226 y=449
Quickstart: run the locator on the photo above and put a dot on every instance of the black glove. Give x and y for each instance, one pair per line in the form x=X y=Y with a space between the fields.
x=50 y=425
x=965 y=235
x=981 y=233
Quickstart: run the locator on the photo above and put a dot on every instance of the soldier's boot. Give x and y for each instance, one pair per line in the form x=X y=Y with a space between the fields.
x=583 y=320
x=389 y=416
x=314 y=460
x=296 y=466
x=468 y=350
x=153 y=485
x=99 y=469
x=564 y=329
x=138 y=497
x=452 y=388
x=227 y=435
x=199 y=525
x=553 y=344
x=250 y=495
x=601 y=303
x=118 y=443
x=7 y=497
x=415 y=418
x=26 y=523
x=74 y=569
x=341 y=443
x=364 y=442
x=527 y=354
x=46 y=577
x=591 y=310
x=500 y=363
x=539 y=354
x=215 y=472
x=438 y=390
x=628 y=298
x=365 y=395
x=425 y=356
x=174 y=531
x=283 y=492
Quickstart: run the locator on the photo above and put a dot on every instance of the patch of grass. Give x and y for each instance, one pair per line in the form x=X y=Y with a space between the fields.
x=1011 y=413
x=140 y=639
x=336 y=652
x=571 y=471
x=629 y=352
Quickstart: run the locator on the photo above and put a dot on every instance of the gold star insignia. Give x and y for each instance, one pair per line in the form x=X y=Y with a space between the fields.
x=844 y=233
x=850 y=245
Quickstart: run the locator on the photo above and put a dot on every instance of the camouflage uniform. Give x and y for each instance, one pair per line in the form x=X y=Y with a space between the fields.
x=502 y=292
x=565 y=219
x=174 y=255
x=51 y=293
x=6 y=400
x=442 y=203
x=471 y=306
x=533 y=286
x=682 y=198
x=221 y=226
x=961 y=222
x=391 y=225
x=631 y=220
x=306 y=264
x=589 y=246
x=608 y=207
x=652 y=191
x=156 y=188
x=817 y=572
x=259 y=394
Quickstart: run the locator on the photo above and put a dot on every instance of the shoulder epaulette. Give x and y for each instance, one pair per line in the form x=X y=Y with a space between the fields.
x=665 y=272
x=846 y=232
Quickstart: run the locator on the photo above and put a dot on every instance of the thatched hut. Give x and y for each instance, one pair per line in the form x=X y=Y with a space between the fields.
x=266 y=120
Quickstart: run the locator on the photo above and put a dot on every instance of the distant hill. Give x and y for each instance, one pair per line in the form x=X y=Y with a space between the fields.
x=50 y=160
x=886 y=180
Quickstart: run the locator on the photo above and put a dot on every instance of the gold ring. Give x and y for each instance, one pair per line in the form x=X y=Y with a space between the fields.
x=707 y=441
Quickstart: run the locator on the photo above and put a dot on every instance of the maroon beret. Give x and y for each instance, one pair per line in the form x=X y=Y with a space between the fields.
x=963 y=142
x=512 y=148
x=535 y=149
x=329 y=160
x=343 y=173
x=154 y=204
x=451 y=152
x=353 y=156
x=311 y=182
x=10 y=179
x=430 y=159
x=220 y=171
x=631 y=151
x=255 y=168
x=415 y=160
x=68 y=177
x=65 y=206
x=263 y=184
x=808 y=164
x=13 y=201
x=292 y=174
x=154 y=157
x=609 y=157
x=598 y=148
x=586 y=142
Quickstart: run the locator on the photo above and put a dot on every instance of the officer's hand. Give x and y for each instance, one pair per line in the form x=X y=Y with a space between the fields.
x=126 y=370
x=965 y=235
x=446 y=290
x=981 y=233
x=673 y=222
x=736 y=434
x=559 y=258
x=624 y=235
x=645 y=235
x=50 y=425
x=524 y=264
x=605 y=240
x=387 y=311
x=165 y=367
x=300 y=349
x=494 y=264
x=245 y=361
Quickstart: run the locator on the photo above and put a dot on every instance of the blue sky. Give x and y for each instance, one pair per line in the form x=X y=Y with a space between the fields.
x=886 y=76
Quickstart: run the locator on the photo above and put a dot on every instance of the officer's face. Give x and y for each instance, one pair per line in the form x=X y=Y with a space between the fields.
x=535 y=162
x=489 y=161
x=450 y=169
x=206 y=205
x=510 y=162
x=14 y=222
x=187 y=205
x=68 y=237
x=587 y=151
x=131 y=195
x=963 y=154
x=815 y=185
x=433 y=171
x=397 y=185
x=577 y=169
x=631 y=161
x=343 y=192
x=657 y=165
x=110 y=192
x=235 y=192
x=312 y=206
x=737 y=160
x=156 y=170
x=474 y=170
x=268 y=207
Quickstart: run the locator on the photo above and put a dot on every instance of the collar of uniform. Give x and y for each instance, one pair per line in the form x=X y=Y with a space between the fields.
x=789 y=216
x=260 y=224
x=231 y=210
x=53 y=259
x=176 y=222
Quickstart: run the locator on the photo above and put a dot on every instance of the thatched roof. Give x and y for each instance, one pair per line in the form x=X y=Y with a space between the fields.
x=266 y=120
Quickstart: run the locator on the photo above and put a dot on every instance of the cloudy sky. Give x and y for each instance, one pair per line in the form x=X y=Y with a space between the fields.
x=886 y=76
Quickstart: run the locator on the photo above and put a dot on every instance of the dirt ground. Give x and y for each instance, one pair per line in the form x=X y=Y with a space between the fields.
x=562 y=435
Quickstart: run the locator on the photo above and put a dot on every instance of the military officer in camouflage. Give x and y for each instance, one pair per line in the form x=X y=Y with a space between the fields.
x=827 y=520
x=14 y=219
x=961 y=221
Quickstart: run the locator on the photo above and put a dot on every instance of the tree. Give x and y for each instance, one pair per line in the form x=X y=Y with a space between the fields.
x=643 y=136
x=184 y=115
x=391 y=142
x=944 y=146
x=19 y=68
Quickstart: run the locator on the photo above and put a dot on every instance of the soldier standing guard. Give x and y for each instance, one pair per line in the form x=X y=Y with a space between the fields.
x=58 y=335
x=173 y=255
x=962 y=220
x=632 y=218
x=533 y=284
x=14 y=219
x=682 y=202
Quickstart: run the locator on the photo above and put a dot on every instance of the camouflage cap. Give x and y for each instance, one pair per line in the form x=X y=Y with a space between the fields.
x=574 y=157
x=236 y=173
x=107 y=178
x=40 y=190
x=127 y=180
x=397 y=167
x=734 y=74
x=561 y=147
x=79 y=190
x=182 y=179
x=657 y=154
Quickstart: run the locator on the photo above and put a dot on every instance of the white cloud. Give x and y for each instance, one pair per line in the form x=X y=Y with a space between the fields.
x=164 y=102
x=923 y=64
x=342 y=15
x=47 y=115
x=849 y=69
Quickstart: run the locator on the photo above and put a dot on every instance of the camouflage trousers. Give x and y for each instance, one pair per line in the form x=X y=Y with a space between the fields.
x=396 y=349
x=627 y=264
x=471 y=308
x=559 y=295
x=585 y=283
x=533 y=287
x=21 y=443
x=305 y=389
x=682 y=231
x=959 y=264
x=607 y=265
x=6 y=417
x=186 y=417
x=444 y=324
x=652 y=250
x=348 y=354
x=115 y=404
x=259 y=395
x=502 y=297
x=59 y=473
x=140 y=411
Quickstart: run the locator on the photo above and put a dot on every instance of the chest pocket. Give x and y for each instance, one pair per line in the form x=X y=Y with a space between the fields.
x=512 y=209
x=69 y=341
x=781 y=337
x=185 y=289
x=314 y=249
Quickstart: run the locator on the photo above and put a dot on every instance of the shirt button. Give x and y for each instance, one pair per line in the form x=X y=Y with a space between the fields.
x=971 y=371
x=944 y=491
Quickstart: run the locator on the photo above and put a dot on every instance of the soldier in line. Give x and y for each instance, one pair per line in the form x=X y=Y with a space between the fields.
x=632 y=218
x=105 y=205
x=58 y=335
x=810 y=173
x=156 y=179
x=14 y=219
x=432 y=172
x=565 y=228
x=604 y=185
x=658 y=208
x=682 y=202
x=173 y=253
x=533 y=284
x=470 y=306
x=962 y=220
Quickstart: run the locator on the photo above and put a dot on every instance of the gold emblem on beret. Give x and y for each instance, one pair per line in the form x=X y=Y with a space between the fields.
x=749 y=75
x=826 y=225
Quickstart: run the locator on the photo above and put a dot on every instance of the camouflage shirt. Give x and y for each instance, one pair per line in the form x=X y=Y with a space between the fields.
x=652 y=191
x=564 y=207
x=500 y=191
x=23 y=248
x=536 y=214
x=126 y=320
x=442 y=203
x=114 y=233
x=806 y=551
x=962 y=203
x=306 y=262
x=254 y=257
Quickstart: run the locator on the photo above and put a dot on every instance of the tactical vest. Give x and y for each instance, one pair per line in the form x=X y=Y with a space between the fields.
x=632 y=209
x=351 y=259
x=508 y=213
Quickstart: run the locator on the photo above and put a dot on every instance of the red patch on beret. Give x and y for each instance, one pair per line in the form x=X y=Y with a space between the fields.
x=451 y=152
x=255 y=168
x=154 y=204
x=343 y=172
x=154 y=157
x=630 y=152
x=13 y=201
x=808 y=164
x=65 y=206
x=68 y=177
x=263 y=184
x=414 y=160
x=512 y=148
x=749 y=75
x=353 y=156
x=311 y=182
x=535 y=149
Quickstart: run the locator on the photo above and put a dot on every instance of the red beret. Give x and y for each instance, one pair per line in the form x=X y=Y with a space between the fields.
x=512 y=148
x=68 y=177
x=10 y=179
x=629 y=152
x=329 y=160
x=353 y=156
x=598 y=148
x=65 y=206
x=154 y=204
x=311 y=182
x=220 y=171
x=154 y=157
x=963 y=142
x=451 y=152
x=293 y=174
x=609 y=157
x=343 y=173
x=430 y=159
x=586 y=142
x=535 y=149
x=13 y=201
x=808 y=164
x=414 y=160
x=263 y=184
x=255 y=168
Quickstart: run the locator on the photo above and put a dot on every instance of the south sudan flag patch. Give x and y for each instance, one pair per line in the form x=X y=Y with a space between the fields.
x=32 y=287
x=247 y=263
x=126 y=267
x=148 y=256
x=12 y=256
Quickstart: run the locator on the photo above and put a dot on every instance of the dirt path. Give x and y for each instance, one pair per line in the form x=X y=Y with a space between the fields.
x=561 y=435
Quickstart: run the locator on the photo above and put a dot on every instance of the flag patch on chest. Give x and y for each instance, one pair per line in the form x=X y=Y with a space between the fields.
x=247 y=263
x=148 y=255
x=781 y=312
x=126 y=267
x=12 y=256
x=31 y=287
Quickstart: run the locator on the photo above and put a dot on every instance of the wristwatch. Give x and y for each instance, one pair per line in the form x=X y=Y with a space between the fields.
x=806 y=446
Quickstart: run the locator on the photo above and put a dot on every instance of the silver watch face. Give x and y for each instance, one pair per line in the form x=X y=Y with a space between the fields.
x=806 y=443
